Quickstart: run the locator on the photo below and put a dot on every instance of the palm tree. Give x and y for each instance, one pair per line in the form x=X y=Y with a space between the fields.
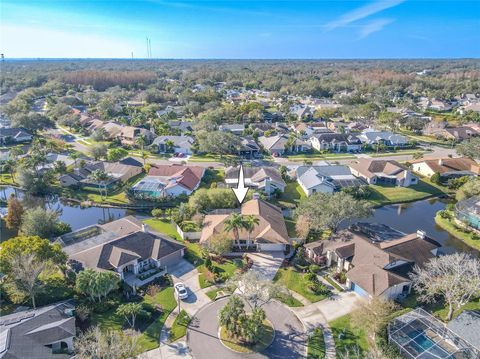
x=11 y=166
x=74 y=156
x=234 y=224
x=169 y=145
x=100 y=177
x=144 y=156
x=249 y=224
x=141 y=141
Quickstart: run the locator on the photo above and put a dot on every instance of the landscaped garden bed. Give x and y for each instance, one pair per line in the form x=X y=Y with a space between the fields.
x=263 y=340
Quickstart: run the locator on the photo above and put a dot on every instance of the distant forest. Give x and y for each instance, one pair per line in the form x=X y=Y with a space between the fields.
x=381 y=79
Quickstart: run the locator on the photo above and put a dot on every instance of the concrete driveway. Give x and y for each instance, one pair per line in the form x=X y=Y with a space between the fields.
x=266 y=264
x=329 y=309
x=186 y=273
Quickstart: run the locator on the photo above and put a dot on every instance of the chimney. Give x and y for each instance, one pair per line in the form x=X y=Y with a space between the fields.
x=421 y=234
x=256 y=196
x=440 y=161
x=144 y=228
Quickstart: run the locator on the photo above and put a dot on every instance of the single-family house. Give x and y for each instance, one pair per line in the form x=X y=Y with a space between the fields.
x=309 y=128
x=14 y=135
x=168 y=181
x=180 y=126
x=265 y=179
x=447 y=167
x=376 y=259
x=176 y=144
x=129 y=134
x=382 y=172
x=301 y=111
x=117 y=172
x=235 y=128
x=248 y=148
x=373 y=137
x=126 y=247
x=459 y=133
x=336 y=142
x=270 y=234
x=112 y=129
x=42 y=333
x=280 y=144
x=326 y=179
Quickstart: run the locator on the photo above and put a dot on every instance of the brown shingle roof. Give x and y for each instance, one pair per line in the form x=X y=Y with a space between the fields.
x=444 y=165
x=188 y=177
x=271 y=227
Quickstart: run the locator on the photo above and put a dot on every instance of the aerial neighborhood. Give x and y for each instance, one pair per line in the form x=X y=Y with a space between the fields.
x=164 y=209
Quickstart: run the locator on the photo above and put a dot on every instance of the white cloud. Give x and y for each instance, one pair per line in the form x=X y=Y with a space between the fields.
x=373 y=26
x=362 y=13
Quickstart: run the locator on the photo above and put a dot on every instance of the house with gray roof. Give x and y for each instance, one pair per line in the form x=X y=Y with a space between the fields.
x=326 y=178
x=235 y=128
x=265 y=179
x=175 y=144
x=14 y=135
x=279 y=144
x=137 y=255
x=42 y=333
x=373 y=137
x=336 y=142
x=467 y=327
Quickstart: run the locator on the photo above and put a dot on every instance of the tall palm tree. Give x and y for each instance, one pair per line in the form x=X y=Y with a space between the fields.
x=144 y=156
x=234 y=224
x=100 y=177
x=141 y=141
x=249 y=224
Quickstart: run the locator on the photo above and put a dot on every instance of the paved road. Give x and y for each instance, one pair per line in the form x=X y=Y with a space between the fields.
x=289 y=342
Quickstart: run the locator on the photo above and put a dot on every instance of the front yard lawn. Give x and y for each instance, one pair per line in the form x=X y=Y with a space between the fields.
x=316 y=345
x=225 y=269
x=290 y=223
x=179 y=326
x=384 y=195
x=211 y=158
x=347 y=337
x=295 y=281
x=316 y=156
x=149 y=338
x=450 y=226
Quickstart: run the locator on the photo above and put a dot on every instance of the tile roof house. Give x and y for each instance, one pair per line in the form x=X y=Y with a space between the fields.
x=377 y=259
x=265 y=179
x=279 y=144
x=326 y=179
x=168 y=181
x=14 y=135
x=42 y=333
x=269 y=235
x=126 y=247
x=447 y=167
x=118 y=172
x=179 y=144
x=383 y=172
x=336 y=142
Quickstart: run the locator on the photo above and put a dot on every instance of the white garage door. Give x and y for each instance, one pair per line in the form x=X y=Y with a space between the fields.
x=271 y=247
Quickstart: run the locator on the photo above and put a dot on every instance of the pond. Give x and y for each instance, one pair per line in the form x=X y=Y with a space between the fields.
x=409 y=217
x=78 y=217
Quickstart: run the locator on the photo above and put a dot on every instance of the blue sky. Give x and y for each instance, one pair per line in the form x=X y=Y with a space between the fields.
x=240 y=29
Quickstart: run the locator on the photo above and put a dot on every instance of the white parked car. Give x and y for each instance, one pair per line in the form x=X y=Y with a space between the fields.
x=181 y=291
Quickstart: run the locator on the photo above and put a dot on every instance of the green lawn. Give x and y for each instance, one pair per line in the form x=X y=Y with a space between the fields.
x=332 y=283
x=316 y=345
x=450 y=226
x=163 y=226
x=318 y=157
x=6 y=179
x=290 y=301
x=179 y=326
x=295 y=281
x=398 y=153
x=346 y=336
x=290 y=223
x=264 y=339
x=384 y=195
x=211 y=158
x=212 y=176
x=212 y=294
x=227 y=269
x=149 y=339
